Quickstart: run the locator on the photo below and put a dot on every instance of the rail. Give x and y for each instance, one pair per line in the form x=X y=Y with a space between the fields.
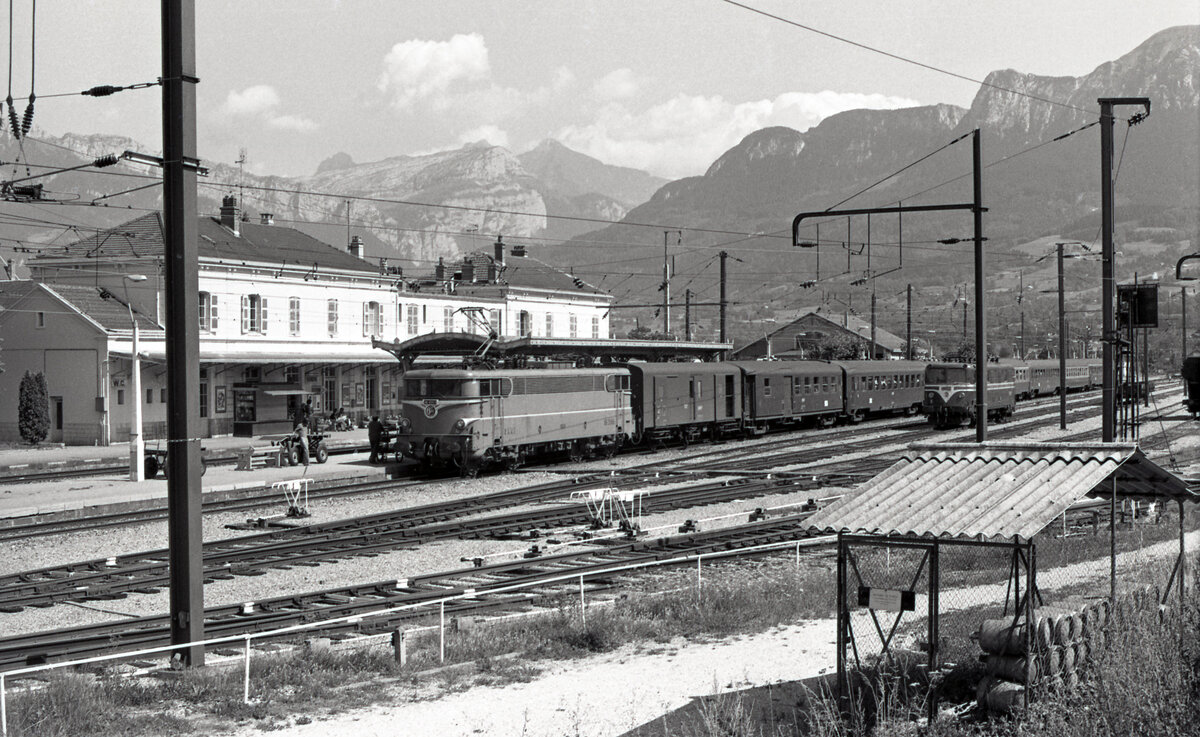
x=247 y=638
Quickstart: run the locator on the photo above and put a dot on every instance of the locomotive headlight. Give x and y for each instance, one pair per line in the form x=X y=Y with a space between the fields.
x=460 y=425
x=405 y=424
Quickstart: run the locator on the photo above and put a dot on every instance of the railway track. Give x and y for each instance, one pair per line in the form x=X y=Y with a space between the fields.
x=484 y=581
x=116 y=577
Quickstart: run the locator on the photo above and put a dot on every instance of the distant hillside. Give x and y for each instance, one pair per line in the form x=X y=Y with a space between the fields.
x=759 y=185
x=471 y=194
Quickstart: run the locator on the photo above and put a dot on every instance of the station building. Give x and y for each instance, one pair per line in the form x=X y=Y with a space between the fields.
x=284 y=317
x=800 y=337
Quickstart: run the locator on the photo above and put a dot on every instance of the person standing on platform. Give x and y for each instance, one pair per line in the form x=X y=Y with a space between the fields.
x=375 y=437
x=301 y=440
x=306 y=414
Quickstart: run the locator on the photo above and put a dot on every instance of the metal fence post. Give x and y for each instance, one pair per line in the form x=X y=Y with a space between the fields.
x=582 y=602
x=699 y=577
x=246 y=673
x=3 y=709
x=442 y=632
x=797 y=557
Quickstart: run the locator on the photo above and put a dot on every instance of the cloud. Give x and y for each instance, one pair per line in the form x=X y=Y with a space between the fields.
x=291 y=123
x=489 y=133
x=618 y=84
x=415 y=70
x=262 y=101
x=252 y=100
x=682 y=136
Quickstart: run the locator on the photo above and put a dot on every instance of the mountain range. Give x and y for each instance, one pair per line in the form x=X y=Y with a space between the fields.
x=1038 y=185
x=1037 y=189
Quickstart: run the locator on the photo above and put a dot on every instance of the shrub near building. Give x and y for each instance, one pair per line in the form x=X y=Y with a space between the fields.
x=33 y=408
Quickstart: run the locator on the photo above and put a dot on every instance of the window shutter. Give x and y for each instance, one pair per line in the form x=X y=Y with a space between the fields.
x=245 y=314
x=212 y=305
x=366 y=319
x=262 y=319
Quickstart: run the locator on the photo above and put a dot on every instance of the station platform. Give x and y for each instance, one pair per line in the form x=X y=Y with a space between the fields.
x=116 y=492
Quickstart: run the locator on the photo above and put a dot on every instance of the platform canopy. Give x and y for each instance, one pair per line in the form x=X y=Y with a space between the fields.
x=481 y=346
x=961 y=490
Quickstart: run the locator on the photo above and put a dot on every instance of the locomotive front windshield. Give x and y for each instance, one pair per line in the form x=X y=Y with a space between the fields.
x=434 y=388
x=949 y=374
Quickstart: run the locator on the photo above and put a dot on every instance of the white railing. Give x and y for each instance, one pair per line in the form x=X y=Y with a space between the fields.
x=440 y=603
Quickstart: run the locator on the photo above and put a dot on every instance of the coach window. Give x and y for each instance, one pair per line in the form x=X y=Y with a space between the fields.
x=766 y=387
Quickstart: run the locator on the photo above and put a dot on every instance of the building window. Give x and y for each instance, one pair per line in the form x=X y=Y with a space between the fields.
x=162 y=395
x=208 y=312
x=549 y=325
x=294 y=315
x=372 y=387
x=414 y=317
x=524 y=324
x=251 y=374
x=448 y=319
x=254 y=314
x=372 y=319
x=120 y=396
x=574 y=327
x=329 y=387
x=291 y=374
x=41 y=319
x=333 y=317
x=494 y=322
x=595 y=326
x=150 y=396
x=204 y=399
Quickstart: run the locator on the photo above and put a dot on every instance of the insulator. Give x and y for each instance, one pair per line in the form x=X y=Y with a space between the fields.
x=13 y=123
x=104 y=161
x=102 y=90
x=27 y=121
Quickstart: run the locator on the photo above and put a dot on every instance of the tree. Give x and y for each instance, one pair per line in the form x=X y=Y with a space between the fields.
x=33 y=408
x=645 y=333
x=837 y=347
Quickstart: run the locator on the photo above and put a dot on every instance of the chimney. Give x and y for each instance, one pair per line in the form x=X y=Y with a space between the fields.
x=268 y=218
x=468 y=272
x=499 y=251
x=229 y=213
x=356 y=246
x=439 y=271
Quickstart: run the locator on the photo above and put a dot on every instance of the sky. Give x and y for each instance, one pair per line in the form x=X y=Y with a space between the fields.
x=661 y=85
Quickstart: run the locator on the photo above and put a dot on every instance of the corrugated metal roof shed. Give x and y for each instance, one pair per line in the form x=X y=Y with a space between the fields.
x=993 y=490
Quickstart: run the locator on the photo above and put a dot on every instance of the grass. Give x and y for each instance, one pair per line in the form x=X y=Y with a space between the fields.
x=748 y=597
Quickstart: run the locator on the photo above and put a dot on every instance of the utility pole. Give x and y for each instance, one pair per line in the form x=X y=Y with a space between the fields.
x=1107 y=222
x=180 y=228
x=874 y=345
x=1183 y=324
x=687 y=314
x=908 y=311
x=724 y=304
x=666 y=286
x=981 y=416
x=1062 y=345
x=966 y=303
x=1022 y=335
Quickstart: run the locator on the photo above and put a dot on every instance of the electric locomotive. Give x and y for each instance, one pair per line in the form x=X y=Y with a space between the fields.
x=466 y=419
x=950 y=393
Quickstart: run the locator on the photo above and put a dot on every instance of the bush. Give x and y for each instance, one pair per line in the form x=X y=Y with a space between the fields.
x=33 y=408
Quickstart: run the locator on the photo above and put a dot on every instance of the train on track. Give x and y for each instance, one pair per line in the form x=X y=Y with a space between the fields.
x=1191 y=384
x=473 y=418
x=468 y=418
x=950 y=387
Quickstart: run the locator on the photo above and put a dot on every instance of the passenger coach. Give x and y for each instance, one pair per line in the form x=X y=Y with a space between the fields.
x=874 y=387
x=780 y=393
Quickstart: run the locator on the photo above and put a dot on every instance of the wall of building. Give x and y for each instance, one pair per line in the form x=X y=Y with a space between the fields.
x=70 y=352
